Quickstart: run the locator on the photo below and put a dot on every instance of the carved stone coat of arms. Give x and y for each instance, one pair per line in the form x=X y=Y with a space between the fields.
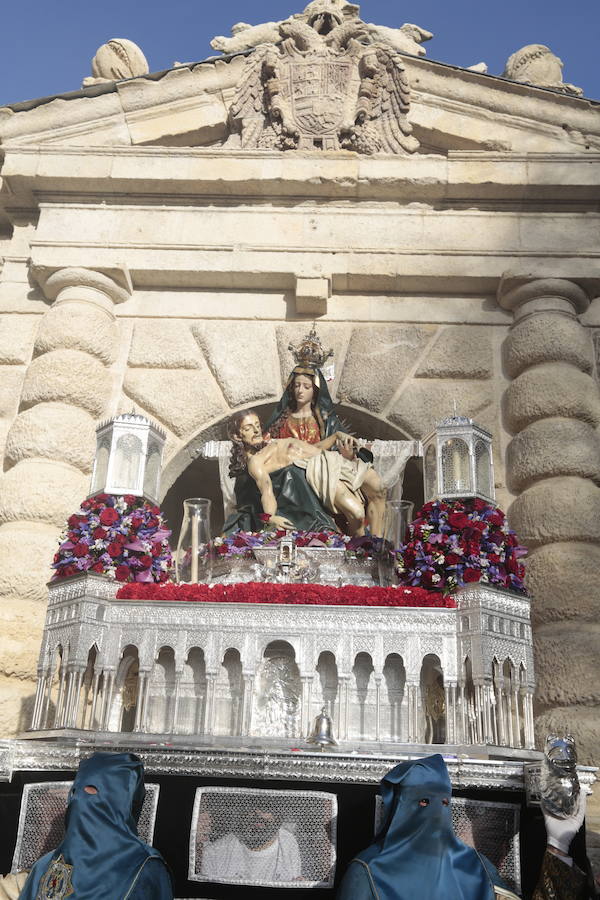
x=325 y=86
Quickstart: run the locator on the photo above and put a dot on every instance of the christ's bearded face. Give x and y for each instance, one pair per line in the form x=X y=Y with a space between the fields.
x=250 y=431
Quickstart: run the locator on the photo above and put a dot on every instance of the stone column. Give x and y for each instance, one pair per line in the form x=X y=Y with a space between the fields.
x=49 y=453
x=552 y=408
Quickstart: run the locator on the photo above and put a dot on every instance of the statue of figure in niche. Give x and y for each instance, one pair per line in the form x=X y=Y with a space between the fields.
x=306 y=411
x=294 y=484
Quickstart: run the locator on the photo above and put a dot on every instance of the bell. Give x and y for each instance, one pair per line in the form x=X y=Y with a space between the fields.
x=322 y=733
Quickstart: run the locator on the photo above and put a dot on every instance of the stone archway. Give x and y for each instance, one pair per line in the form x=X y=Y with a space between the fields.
x=189 y=475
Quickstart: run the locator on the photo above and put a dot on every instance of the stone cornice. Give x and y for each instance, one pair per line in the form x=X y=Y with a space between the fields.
x=168 y=172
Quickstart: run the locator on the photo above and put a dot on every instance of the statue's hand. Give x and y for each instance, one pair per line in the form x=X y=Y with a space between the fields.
x=280 y=523
x=346 y=445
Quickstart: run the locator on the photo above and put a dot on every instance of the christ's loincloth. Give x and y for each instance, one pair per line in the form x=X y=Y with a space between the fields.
x=325 y=472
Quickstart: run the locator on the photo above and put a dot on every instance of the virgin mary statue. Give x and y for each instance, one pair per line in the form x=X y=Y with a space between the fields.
x=305 y=410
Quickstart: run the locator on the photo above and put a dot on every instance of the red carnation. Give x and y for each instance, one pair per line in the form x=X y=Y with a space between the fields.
x=122 y=573
x=73 y=521
x=99 y=534
x=98 y=567
x=155 y=510
x=496 y=518
x=129 y=499
x=113 y=549
x=109 y=516
x=80 y=550
x=146 y=561
x=471 y=575
x=453 y=559
x=69 y=570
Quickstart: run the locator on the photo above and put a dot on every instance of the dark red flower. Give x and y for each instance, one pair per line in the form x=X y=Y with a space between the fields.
x=122 y=573
x=129 y=499
x=99 y=534
x=109 y=516
x=471 y=575
x=98 y=567
x=156 y=549
x=458 y=520
x=73 y=521
x=80 y=550
x=114 y=549
x=146 y=561
x=264 y=517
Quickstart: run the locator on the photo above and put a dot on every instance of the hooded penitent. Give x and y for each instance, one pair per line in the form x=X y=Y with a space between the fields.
x=416 y=854
x=101 y=856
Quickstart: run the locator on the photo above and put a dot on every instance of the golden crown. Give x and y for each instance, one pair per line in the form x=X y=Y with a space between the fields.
x=310 y=352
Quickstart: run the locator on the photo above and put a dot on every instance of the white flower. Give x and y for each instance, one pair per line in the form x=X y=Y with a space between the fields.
x=436 y=578
x=164 y=565
x=147 y=546
x=120 y=504
x=218 y=541
x=99 y=545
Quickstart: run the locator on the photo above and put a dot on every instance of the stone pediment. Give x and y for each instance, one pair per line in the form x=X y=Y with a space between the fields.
x=322 y=80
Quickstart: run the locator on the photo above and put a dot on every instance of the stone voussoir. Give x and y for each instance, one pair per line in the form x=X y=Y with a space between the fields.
x=249 y=348
x=423 y=403
x=378 y=360
x=181 y=399
x=546 y=337
x=551 y=390
x=69 y=376
x=460 y=351
x=557 y=509
x=552 y=447
x=163 y=345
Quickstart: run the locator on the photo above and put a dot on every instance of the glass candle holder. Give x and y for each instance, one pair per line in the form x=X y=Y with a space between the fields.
x=398 y=516
x=193 y=560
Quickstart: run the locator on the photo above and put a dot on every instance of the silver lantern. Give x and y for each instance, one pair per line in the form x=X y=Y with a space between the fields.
x=128 y=457
x=458 y=462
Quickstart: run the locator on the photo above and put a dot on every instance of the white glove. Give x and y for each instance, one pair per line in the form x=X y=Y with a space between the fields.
x=562 y=831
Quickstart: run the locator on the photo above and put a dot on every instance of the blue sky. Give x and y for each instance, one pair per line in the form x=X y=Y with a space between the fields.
x=46 y=47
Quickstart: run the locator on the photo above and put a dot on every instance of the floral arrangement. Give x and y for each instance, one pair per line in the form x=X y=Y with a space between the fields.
x=457 y=542
x=304 y=594
x=123 y=537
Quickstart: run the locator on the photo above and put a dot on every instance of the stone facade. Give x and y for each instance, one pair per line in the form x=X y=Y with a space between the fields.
x=150 y=263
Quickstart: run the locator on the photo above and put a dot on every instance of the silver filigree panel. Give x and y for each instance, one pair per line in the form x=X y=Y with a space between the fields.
x=263 y=837
x=42 y=820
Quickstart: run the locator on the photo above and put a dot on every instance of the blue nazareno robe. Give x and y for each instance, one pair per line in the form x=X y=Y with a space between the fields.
x=101 y=856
